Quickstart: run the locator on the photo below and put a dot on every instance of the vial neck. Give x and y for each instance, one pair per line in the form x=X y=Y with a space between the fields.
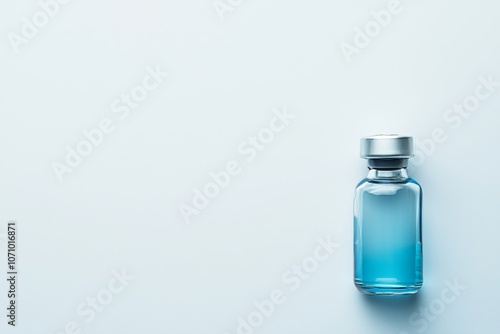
x=388 y=174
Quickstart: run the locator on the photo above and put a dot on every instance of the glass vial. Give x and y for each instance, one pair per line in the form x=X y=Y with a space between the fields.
x=387 y=220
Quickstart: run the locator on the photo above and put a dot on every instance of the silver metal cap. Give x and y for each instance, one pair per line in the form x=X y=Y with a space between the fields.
x=390 y=146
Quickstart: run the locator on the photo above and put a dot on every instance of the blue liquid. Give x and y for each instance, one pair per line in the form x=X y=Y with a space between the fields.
x=387 y=237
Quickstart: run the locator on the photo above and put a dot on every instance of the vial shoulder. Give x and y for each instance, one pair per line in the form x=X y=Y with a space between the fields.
x=367 y=184
x=414 y=182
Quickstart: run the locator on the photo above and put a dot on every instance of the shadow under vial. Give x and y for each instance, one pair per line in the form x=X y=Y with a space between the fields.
x=394 y=310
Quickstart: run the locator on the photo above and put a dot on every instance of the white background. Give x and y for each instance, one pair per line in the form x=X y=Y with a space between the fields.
x=118 y=210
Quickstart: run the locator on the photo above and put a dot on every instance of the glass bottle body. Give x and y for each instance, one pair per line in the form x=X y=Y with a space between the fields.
x=388 y=233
